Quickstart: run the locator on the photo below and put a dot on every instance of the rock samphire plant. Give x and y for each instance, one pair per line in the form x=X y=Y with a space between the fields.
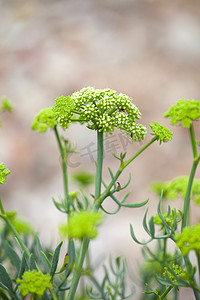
x=30 y=271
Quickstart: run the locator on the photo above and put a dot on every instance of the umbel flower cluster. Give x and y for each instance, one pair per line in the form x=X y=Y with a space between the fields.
x=102 y=110
x=34 y=282
x=178 y=271
x=82 y=224
x=184 y=112
x=189 y=239
x=177 y=188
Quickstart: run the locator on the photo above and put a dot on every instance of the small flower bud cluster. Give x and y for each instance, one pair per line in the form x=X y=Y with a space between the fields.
x=162 y=133
x=184 y=112
x=105 y=110
x=44 y=119
x=189 y=239
x=178 y=271
x=3 y=173
x=82 y=224
x=34 y=282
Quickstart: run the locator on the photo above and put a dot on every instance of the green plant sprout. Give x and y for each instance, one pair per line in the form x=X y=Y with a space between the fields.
x=28 y=268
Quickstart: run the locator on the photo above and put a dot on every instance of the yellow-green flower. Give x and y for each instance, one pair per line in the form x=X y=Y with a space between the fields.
x=63 y=110
x=177 y=188
x=34 y=282
x=3 y=173
x=44 y=119
x=162 y=133
x=5 y=105
x=189 y=239
x=184 y=112
x=82 y=224
x=169 y=219
x=22 y=226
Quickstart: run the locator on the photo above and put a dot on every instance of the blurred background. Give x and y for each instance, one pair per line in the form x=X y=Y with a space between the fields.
x=147 y=49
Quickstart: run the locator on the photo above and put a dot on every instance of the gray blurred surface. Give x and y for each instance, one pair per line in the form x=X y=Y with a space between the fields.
x=149 y=50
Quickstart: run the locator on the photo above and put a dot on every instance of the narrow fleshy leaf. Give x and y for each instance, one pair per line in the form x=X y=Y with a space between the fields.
x=45 y=264
x=135 y=239
x=145 y=223
x=112 y=178
x=32 y=263
x=5 y=278
x=13 y=256
x=58 y=205
x=55 y=259
x=23 y=265
x=152 y=227
x=129 y=180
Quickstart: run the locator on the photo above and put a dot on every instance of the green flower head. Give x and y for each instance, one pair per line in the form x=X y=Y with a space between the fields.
x=82 y=224
x=177 y=188
x=189 y=239
x=102 y=110
x=184 y=112
x=5 y=105
x=21 y=225
x=162 y=133
x=44 y=119
x=34 y=282
x=3 y=173
x=178 y=271
x=63 y=110
x=169 y=218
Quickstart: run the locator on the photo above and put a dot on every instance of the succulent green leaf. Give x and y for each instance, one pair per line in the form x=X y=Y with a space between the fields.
x=5 y=278
x=55 y=259
x=13 y=256
x=45 y=264
x=23 y=265
x=32 y=263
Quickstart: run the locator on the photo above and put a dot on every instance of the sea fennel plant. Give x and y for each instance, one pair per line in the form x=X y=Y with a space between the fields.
x=35 y=270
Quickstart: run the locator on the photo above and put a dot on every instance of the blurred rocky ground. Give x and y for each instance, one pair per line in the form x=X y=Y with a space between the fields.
x=147 y=49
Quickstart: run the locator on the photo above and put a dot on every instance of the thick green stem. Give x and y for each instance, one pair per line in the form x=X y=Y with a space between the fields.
x=193 y=142
x=198 y=262
x=99 y=164
x=64 y=168
x=188 y=193
x=85 y=241
x=191 y=179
